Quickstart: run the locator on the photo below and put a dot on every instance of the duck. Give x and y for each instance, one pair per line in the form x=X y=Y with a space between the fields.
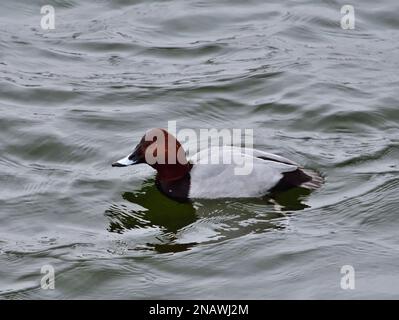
x=185 y=179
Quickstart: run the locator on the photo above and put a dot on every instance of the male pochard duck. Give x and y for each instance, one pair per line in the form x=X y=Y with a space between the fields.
x=183 y=179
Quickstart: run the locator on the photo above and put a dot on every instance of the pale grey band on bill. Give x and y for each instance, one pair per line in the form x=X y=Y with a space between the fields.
x=125 y=161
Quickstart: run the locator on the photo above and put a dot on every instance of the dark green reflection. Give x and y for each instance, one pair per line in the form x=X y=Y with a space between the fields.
x=154 y=210
x=229 y=217
x=291 y=200
x=157 y=210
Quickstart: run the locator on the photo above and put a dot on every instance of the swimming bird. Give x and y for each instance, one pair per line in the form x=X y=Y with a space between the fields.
x=182 y=179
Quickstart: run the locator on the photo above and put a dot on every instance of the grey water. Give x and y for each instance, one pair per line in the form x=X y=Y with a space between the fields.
x=76 y=98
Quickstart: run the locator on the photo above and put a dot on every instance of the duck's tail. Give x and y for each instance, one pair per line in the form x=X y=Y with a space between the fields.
x=303 y=178
x=315 y=180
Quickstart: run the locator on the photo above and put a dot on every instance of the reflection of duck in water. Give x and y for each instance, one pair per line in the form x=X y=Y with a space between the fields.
x=181 y=179
x=152 y=209
x=204 y=221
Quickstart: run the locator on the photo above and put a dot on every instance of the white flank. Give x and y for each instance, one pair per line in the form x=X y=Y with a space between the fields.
x=219 y=181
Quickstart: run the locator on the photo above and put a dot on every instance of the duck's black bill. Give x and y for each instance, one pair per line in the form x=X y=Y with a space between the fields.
x=126 y=161
x=134 y=158
x=117 y=164
x=130 y=160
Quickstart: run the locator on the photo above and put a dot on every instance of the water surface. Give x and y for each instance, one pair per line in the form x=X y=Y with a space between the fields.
x=74 y=99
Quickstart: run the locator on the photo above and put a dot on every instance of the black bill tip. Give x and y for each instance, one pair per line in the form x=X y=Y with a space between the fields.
x=117 y=164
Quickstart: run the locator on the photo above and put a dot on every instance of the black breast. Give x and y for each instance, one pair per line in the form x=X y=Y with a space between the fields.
x=175 y=189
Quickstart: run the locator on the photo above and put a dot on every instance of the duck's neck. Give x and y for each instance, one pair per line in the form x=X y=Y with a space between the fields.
x=172 y=172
